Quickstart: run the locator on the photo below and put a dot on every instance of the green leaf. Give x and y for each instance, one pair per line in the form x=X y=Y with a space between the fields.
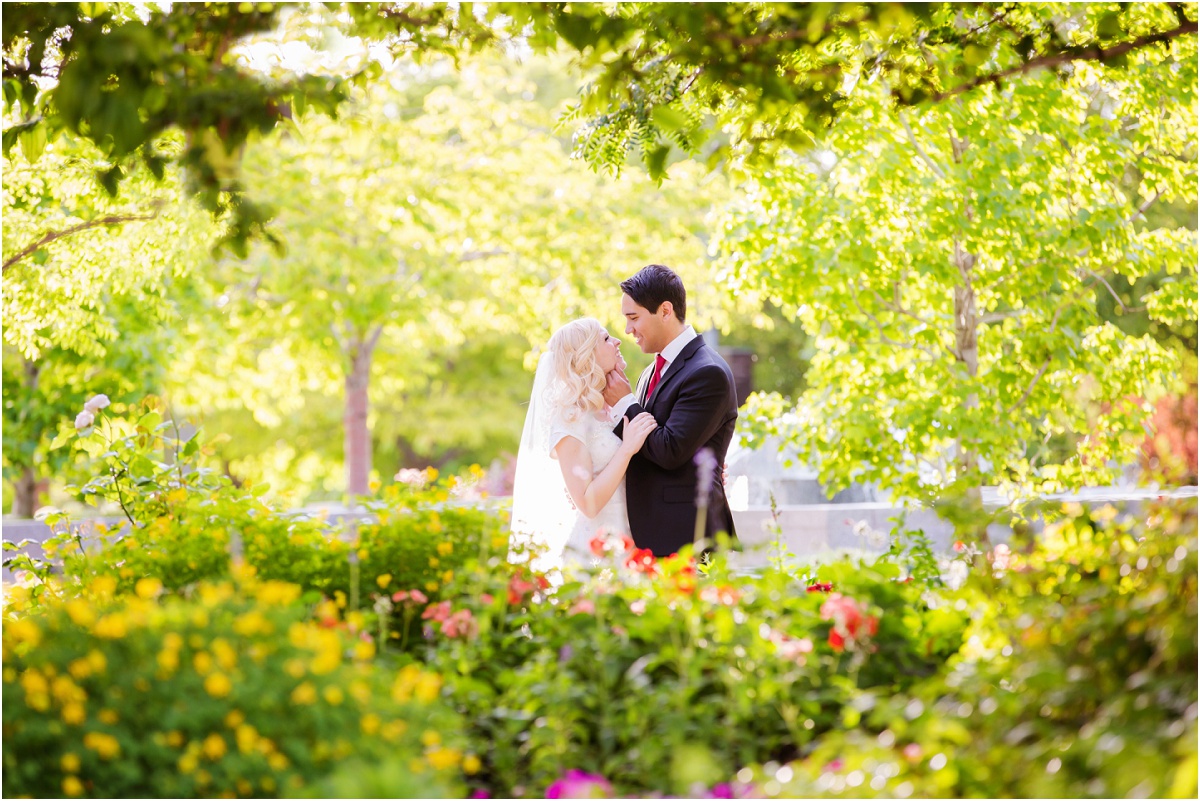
x=669 y=118
x=33 y=142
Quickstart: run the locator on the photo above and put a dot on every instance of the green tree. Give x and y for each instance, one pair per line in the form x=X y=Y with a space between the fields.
x=451 y=232
x=85 y=306
x=948 y=263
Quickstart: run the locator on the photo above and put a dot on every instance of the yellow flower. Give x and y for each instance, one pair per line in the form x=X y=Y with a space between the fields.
x=203 y=662
x=247 y=738
x=499 y=541
x=10 y=675
x=304 y=694
x=148 y=588
x=188 y=763
x=433 y=561
x=429 y=686
x=277 y=761
x=430 y=738
x=203 y=777
x=431 y=474
x=251 y=623
x=218 y=685
x=103 y=586
x=110 y=627
x=108 y=716
x=72 y=786
x=416 y=766
x=443 y=758
x=294 y=668
x=394 y=730
x=268 y=784
x=333 y=695
x=364 y=650
x=225 y=653
x=363 y=553
x=168 y=661
x=80 y=612
x=175 y=738
x=80 y=669
x=471 y=765
x=244 y=788
x=431 y=586
x=23 y=629
x=339 y=598
x=65 y=690
x=98 y=660
x=103 y=744
x=173 y=641
x=370 y=724
x=448 y=576
x=278 y=593
x=214 y=746
x=445 y=548
x=70 y=763
x=234 y=719
x=74 y=714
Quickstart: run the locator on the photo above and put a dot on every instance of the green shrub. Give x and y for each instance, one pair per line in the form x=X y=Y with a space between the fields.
x=234 y=693
x=1080 y=679
x=662 y=683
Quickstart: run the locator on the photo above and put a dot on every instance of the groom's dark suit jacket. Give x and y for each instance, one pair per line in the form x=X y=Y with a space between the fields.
x=695 y=404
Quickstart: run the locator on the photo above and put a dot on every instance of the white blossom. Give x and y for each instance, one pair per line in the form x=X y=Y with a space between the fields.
x=97 y=403
x=84 y=420
x=956 y=575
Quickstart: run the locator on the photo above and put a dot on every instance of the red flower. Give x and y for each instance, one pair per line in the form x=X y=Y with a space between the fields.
x=542 y=582
x=641 y=560
x=597 y=545
x=518 y=588
x=820 y=587
x=460 y=624
x=850 y=623
x=627 y=544
x=959 y=546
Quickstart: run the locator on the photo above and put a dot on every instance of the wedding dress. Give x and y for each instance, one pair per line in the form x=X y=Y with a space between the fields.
x=543 y=516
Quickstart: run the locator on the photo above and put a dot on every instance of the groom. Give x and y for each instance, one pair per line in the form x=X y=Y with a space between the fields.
x=690 y=391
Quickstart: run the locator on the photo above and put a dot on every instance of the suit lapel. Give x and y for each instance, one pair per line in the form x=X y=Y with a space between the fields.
x=643 y=382
x=689 y=350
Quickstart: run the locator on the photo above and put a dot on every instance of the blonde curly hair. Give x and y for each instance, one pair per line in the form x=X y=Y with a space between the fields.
x=579 y=379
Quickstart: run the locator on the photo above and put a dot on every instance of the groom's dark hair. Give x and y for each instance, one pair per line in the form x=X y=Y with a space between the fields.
x=655 y=284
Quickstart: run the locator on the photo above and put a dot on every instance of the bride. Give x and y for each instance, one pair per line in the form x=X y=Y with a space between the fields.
x=570 y=479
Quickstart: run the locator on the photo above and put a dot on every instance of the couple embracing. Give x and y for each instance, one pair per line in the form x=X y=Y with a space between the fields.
x=598 y=458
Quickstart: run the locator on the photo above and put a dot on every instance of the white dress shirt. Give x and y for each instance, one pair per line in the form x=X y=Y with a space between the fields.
x=670 y=353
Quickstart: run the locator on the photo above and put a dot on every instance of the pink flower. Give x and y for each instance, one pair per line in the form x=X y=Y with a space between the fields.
x=627 y=544
x=597 y=545
x=638 y=607
x=959 y=546
x=584 y=606
x=912 y=752
x=418 y=596
x=439 y=612
x=487 y=598
x=84 y=419
x=402 y=595
x=460 y=624
x=577 y=784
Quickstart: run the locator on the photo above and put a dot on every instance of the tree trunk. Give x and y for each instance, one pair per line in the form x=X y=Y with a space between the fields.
x=966 y=332
x=357 y=434
x=25 y=499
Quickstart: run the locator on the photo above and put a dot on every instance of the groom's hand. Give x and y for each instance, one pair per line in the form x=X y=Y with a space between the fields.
x=616 y=386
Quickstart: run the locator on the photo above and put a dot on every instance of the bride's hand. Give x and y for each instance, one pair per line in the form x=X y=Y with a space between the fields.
x=636 y=431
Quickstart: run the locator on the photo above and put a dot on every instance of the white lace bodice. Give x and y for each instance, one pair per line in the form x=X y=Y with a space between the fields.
x=613 y=520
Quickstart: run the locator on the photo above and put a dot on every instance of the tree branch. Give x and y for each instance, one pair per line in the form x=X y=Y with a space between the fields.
x=1094 y=53
x=933 y=165
x=1029 y=389
x=1141 y=212
x=51 y=236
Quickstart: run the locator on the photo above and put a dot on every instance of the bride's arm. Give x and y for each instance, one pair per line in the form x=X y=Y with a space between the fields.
x=589 y=493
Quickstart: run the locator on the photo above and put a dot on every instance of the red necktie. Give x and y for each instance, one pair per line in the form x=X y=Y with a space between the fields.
x=659 y=361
